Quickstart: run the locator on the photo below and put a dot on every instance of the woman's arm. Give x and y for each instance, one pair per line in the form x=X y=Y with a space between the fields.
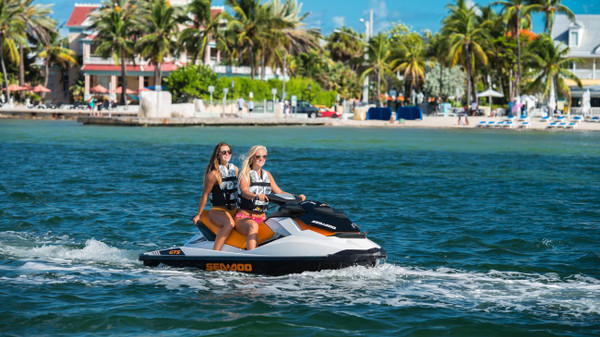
x=245 y=189
x=209 y=182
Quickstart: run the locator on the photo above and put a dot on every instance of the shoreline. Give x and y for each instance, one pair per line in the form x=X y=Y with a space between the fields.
x=124 y=118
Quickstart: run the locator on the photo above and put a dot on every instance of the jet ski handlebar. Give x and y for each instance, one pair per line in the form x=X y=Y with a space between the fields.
x=283 y=198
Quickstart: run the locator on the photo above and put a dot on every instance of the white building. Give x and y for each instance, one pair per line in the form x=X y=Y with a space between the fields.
x=583 y=39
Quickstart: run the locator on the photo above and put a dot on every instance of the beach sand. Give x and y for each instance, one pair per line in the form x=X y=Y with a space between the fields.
x=452 y=122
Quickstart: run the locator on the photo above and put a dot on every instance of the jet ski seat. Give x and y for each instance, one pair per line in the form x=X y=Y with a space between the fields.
x=236 y=239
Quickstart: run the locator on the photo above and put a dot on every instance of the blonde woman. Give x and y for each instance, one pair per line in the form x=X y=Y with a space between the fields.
x=255 y=184
x=221 y=185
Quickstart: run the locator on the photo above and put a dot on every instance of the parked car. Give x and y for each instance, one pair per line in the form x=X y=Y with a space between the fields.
x=304 y=107
x=325 y=112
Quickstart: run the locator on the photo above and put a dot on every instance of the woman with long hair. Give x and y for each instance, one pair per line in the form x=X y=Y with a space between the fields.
x=221 y=185
x=255 y=185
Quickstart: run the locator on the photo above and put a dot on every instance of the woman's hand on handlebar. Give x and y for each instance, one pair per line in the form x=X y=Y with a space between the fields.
x=302 y=197
x=263 y=197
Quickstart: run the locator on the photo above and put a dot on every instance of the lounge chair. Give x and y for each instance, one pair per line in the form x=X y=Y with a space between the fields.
x=490 y=124
x=524 y=125
x=500 y=124
x=562 y=125
x=508 y=124
x=552 y=125
x=545 y=119
x=577 y=119
x=571 y=125
x=481 y=124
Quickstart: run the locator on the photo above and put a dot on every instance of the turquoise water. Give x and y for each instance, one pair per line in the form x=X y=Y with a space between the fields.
x=488 y=233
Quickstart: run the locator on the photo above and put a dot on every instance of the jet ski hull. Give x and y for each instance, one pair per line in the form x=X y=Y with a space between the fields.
x=267 y=265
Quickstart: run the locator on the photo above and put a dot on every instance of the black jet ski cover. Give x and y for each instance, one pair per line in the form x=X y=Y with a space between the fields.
x=323 y=216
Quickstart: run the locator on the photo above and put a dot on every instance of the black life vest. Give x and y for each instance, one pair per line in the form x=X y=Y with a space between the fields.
x=225 y=194
x=258 y=185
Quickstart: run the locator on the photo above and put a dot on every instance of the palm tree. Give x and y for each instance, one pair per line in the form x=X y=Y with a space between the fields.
x=115 y=26
x=515 y=11
x=466 y=36
x=285 y=35
x=161 y=30
x=347 y=46
x=246 y=29
x=54 y=54
x=410 y=60
x=204 y=28
x=379 y=52
x=551 y=65
x=39 y=26
x=12 y=32
x=550 y=8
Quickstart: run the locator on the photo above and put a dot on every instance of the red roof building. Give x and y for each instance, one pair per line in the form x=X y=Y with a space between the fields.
x=97 y=70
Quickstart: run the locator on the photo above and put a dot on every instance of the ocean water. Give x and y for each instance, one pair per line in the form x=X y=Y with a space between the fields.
x=488 y=232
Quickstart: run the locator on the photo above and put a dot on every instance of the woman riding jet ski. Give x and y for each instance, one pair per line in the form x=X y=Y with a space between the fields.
x=299 y=236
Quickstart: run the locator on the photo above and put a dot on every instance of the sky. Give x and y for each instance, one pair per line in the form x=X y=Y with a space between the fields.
x=328 y=15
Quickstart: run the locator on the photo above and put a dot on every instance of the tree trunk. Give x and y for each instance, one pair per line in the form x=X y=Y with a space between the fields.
x=379 y=87
x=441 y=81
x=468 y=59
x=22 y=68
x=157 y=76
x=284 y=71
x=4 y=71
x=252 y=65
x=123 y=79
x=22 y=65
x=518 y=79
x=46 y=75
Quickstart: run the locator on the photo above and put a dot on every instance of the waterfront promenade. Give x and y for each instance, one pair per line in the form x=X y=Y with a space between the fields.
x=122 y=117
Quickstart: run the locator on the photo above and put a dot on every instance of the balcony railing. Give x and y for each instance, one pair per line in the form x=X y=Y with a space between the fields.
x=586 y=73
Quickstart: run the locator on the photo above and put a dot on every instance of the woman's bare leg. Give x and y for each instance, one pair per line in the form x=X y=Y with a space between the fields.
x=249 y=228
x=221 y=219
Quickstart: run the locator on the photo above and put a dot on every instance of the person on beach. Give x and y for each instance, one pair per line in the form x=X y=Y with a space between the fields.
x=221 y=185
x=255 y=184
x=240 y=103
x=250 y=106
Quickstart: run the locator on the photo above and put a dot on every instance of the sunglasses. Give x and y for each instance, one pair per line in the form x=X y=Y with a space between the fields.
x=264 y=156
x=225 y=152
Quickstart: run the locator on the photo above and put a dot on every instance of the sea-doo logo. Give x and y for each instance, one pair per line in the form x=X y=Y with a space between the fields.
x=323 y=224
x=244 y=267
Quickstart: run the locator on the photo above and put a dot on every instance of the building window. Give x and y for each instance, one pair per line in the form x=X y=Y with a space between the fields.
x=574 y=39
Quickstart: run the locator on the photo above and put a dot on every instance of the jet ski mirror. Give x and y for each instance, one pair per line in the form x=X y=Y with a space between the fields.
x=283 y=198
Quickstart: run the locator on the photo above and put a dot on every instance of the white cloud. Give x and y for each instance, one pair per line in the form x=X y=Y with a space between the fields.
x=339 y=21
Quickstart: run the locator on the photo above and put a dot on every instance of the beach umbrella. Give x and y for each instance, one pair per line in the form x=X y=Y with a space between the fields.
x=119 y=90
x=99 y=89
x=489 y=94
x=40 y=88
x=16 y=87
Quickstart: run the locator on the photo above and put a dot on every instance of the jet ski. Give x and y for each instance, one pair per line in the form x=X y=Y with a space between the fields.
x=299 y=236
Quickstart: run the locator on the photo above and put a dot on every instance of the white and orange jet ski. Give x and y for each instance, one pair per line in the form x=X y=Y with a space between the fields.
x=299 y=236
